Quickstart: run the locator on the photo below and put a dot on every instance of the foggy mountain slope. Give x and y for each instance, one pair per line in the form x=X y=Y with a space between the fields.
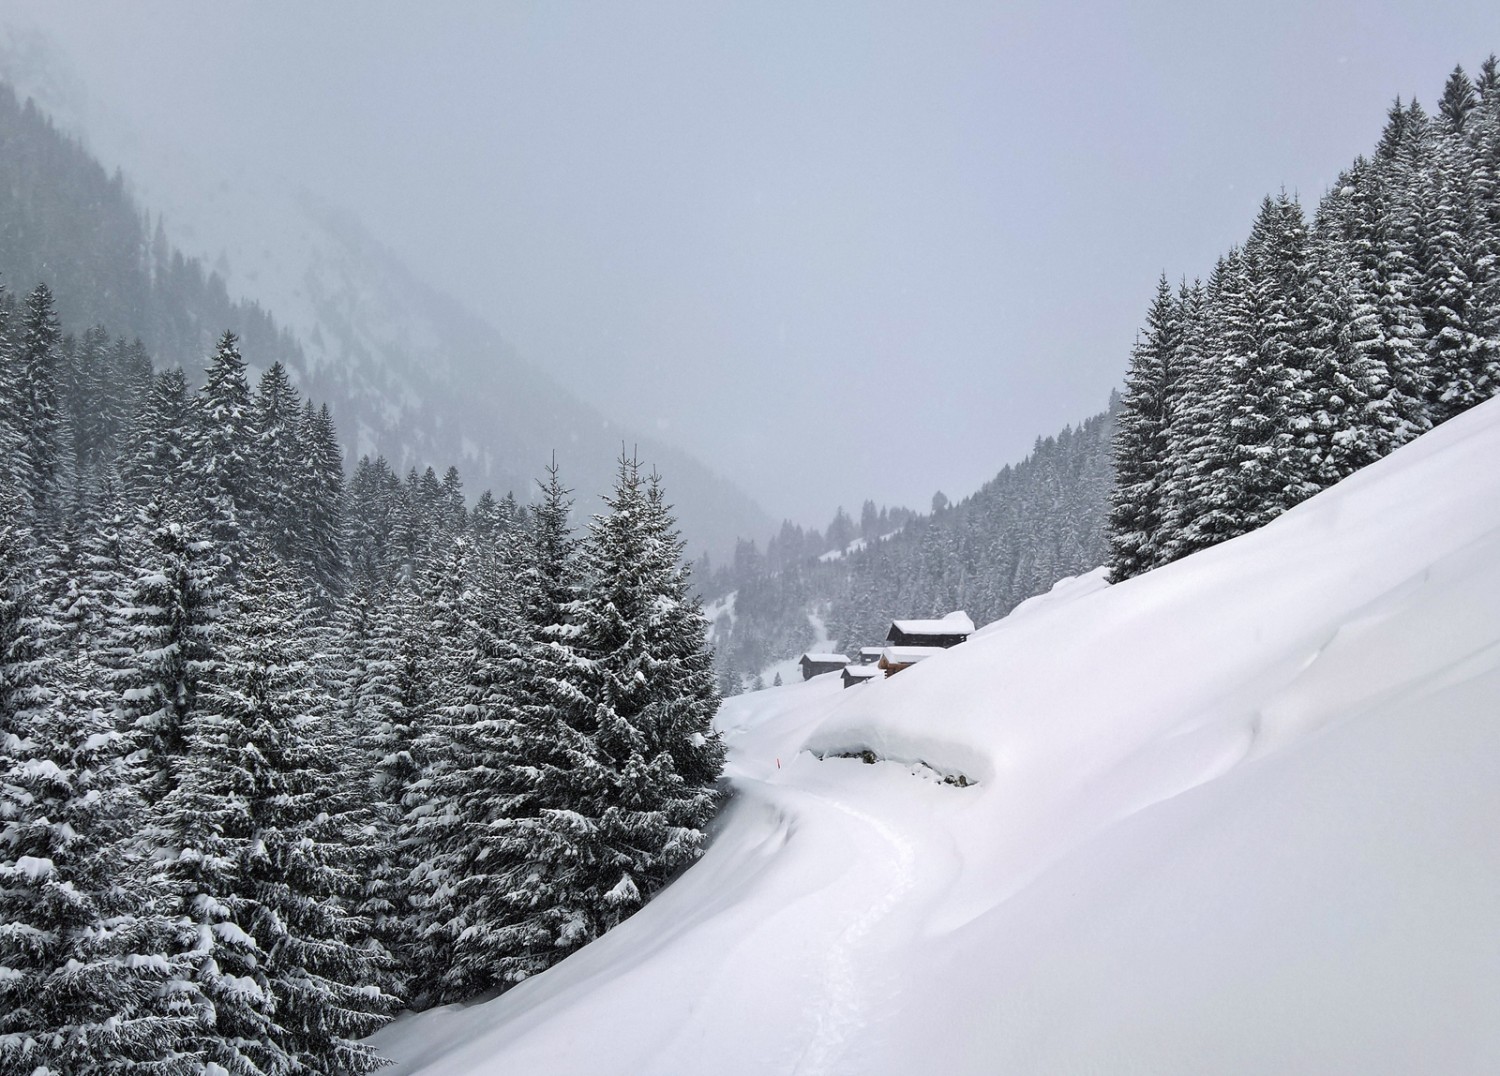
x=407 y=371
x=1037 y=521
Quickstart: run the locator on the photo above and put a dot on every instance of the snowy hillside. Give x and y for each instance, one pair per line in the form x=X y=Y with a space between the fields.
x=1234 y=815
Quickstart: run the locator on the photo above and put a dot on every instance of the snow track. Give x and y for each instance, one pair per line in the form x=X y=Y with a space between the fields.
x=849 y=992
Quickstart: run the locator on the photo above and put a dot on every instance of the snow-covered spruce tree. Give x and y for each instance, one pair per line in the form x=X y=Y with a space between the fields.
x=321 y=484
x=644 y=819
x=538 y=862
x=1454 y=262
x=1388 y=277
x=225 y=452
x=1194 y=417
x=90 y=606
x=1136 y=528
x=680 y=720
x=393 y=702
x=432 y=831
x=279 y=454
x=374 y=494
x=1482 y=133
x=77 y=988
x=163 y=644
x=259 y=875
x=80 y=377
x=42 y=420
x=488 y=782
x=1268 y=338
x=158 y=458
x=1355 y=414
x=12 y=439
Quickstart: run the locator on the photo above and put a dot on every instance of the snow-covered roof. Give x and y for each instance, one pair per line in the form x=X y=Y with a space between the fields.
x=957 y=623
x=871 y=650
x=826 y=659
x=907 y=655
x=863 y=671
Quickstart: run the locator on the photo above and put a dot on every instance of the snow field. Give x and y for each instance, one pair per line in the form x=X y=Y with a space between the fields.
x=1237 y=814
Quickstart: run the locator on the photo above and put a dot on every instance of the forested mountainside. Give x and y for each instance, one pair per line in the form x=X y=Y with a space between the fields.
x=280 y=754
x=408 y=373
x=1034 y=523
x=1311 y=351
x=1315 y=349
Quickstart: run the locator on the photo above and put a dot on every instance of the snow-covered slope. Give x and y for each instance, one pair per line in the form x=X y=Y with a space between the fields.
x=1236 y=815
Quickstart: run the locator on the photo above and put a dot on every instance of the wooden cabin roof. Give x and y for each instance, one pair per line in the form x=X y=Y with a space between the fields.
x=956 y=623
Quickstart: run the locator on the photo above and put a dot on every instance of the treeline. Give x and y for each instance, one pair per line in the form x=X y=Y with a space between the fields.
x=280 y=754
x=776 y=587
x=1031 y=525
x=1313 y=350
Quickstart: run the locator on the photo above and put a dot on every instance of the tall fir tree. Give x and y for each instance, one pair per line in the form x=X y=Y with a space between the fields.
x=1141 y=462
x=78 y=985
x=164 y=644
x=643 y=820
x=226 y=452
x=42 y=419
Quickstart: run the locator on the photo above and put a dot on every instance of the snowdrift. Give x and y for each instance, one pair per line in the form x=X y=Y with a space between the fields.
x=1239 y=814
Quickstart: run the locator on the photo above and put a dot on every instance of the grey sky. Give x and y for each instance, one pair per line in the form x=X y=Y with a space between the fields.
x=837 y=250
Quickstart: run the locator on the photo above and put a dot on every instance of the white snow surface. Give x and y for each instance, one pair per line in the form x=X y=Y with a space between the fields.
x=1237 y=815
x=955 y=623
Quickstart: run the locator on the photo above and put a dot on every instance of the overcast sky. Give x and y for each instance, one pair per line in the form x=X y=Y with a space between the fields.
x=837 y=250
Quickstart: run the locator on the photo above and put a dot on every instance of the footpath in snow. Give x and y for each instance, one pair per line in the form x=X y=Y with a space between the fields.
x=1239 y=814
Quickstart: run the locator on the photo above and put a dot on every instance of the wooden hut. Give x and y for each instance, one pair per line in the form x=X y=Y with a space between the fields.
x=949 y=631
x=861 y=674
x=895 y=658
x=818 y=664
x=870 y=655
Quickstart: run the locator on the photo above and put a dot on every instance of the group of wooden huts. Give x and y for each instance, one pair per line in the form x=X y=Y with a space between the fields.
x=908 y=642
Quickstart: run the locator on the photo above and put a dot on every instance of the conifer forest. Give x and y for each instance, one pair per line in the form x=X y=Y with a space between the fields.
x=1318 y=346
x=280 y=754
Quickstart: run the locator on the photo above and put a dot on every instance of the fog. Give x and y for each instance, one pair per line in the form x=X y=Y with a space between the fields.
x=837 y=251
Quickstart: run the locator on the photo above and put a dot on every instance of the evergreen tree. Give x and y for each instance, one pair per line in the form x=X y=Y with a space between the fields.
x=164 y=645
x=1137 y=507
x=280 y=454
x=643 y=817
x=226 y=451
x=159 y=461
x=1458 y=100
x=321 y=546
x=259 y=873
x=76 y=989
x=392 y=703
x=489 y=784
x=432 y=829
x=533 y=892
x=41 y=418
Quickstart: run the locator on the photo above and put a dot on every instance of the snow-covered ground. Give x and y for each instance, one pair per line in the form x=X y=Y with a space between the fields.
x=859 y=545
x=1241 y=814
